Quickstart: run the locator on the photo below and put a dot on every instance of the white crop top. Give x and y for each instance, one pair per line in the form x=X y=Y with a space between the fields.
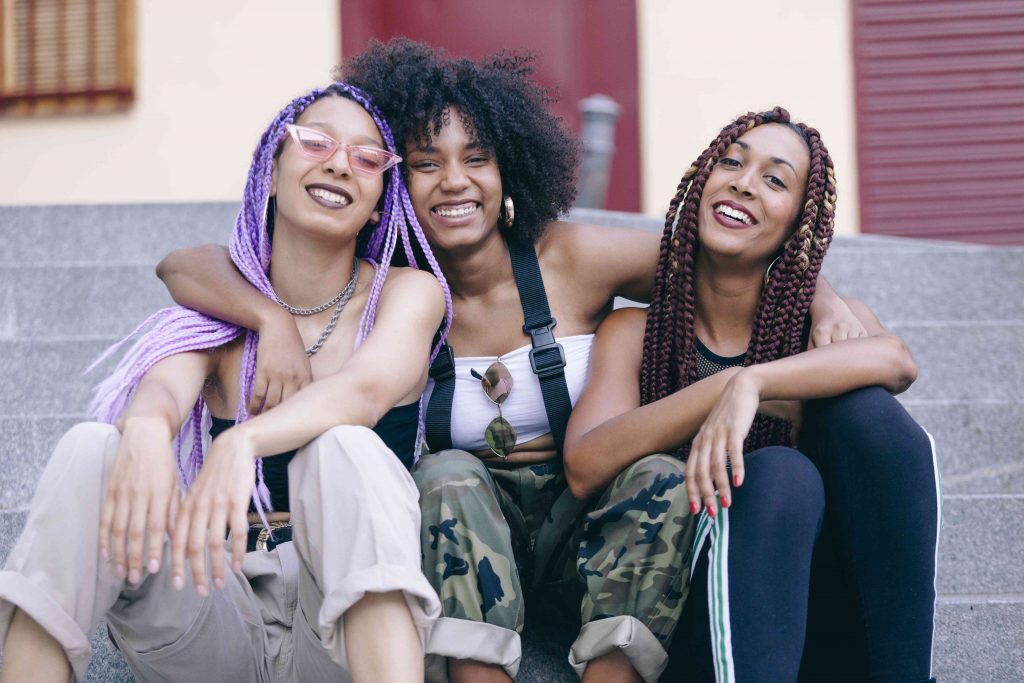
x=472 y=411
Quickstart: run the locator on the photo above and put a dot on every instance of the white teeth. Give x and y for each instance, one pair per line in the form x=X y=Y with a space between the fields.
x=735 y=214
x=327 y=195
x=455 y=211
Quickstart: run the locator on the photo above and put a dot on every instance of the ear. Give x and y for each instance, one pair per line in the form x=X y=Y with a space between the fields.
x=375 y=217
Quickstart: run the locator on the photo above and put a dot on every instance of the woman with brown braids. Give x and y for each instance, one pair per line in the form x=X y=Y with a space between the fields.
x=814 y=495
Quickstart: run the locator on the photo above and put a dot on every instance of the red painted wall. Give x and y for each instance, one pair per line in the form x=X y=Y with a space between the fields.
x=583 y=47
x=940 y=110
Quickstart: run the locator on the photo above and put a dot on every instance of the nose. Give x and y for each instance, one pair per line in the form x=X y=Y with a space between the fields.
x=743 y=183
x=454 y=178
x=337 y=163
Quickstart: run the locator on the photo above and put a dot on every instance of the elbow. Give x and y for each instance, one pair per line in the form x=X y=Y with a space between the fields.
x=575 y=474
x=170 y=264
x=904 y=369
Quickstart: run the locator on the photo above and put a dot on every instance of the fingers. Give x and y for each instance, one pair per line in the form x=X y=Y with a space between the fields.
x=136 y=537
x=215 y=542
x=692 y=490
x=259 y=394
x=239 y=536
x=819 y=337
x=182 y=526
x=195 y=546
x=118 y=530
x=155 y=530
x=719 y=473
x=106 y=521
x=275 y=394
x=736 y=460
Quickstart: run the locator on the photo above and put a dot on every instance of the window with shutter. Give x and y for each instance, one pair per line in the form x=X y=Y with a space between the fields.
x=59 y=56
x=940 y=110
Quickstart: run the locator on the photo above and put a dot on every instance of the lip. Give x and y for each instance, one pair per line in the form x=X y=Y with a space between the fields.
x=730 y=222
x=330 y=188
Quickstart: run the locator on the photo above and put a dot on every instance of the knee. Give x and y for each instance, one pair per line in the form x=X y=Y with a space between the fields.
x=653 y=487
x=860 y=413
x=445 y=468
x=783 y=483
x=88 y=444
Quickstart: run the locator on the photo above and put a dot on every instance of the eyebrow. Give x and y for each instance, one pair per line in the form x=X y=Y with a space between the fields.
x=431 y=149
x=775 y=160
x=363 y=140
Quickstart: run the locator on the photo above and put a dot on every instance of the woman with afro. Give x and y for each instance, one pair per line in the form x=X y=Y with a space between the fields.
x=490 y=171
x=787 y=444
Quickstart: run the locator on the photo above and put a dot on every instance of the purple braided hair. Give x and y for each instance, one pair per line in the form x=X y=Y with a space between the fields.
x=177 y=329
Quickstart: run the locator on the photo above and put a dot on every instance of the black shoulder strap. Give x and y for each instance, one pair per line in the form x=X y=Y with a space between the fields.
x=438 y=419
x=546 y=357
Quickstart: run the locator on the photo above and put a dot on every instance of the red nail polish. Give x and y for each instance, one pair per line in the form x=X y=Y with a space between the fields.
x=725 y=502
x=735 y=480
x=711 y=511
x=693 y=508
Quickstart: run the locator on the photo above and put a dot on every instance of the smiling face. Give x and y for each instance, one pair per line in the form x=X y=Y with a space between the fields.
x=455 y=187
x=327 y=196
x=754 y=193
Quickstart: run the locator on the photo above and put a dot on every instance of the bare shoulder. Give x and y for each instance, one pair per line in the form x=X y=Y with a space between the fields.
x=623 y=325
x=413 y=287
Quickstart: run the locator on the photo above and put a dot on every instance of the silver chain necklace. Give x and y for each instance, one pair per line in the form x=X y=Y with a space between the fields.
x=339 y=305
x=324 y=306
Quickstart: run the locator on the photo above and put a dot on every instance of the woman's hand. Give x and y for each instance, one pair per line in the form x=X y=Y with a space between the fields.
x=142 y=498
x=282 y=366
x=832 y=321
x=722 y=436
x=218 y=499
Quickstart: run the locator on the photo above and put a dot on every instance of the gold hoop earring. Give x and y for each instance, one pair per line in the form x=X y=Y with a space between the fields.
x=510 y=211
x=768 y=273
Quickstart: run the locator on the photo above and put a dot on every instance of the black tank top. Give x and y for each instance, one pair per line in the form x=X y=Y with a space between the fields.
x=397 y=429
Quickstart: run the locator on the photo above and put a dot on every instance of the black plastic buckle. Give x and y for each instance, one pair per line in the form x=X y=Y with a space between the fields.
x=443 y=367
x=547 y=358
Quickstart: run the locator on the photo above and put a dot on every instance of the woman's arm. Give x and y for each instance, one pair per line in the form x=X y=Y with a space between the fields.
x=608 y=429
x=204 y=279
x=385 y=369
x=832 y=319
x=142 y=495
x=879 y=359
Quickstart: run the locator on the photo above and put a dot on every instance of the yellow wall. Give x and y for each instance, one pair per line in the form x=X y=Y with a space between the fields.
x=703 y=63
x=209 y=77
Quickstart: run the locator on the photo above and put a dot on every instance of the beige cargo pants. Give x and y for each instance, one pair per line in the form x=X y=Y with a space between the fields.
x=356 y=527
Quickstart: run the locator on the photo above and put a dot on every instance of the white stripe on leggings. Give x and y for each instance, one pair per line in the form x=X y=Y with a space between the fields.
x=718 y=598
x=938 y=530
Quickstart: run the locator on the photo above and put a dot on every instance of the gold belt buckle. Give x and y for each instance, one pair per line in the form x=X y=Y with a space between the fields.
x=264 y=535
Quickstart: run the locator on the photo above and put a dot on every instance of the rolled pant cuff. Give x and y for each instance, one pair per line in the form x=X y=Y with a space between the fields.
x=422 y=600
x=17 y=591
x=476 y=640
x=626 y=633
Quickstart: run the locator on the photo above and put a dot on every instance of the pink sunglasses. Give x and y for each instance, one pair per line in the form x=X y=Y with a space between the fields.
x=320 y=146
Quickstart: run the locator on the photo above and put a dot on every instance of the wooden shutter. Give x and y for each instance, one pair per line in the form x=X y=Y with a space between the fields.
x=940 y=118
x=65 y=55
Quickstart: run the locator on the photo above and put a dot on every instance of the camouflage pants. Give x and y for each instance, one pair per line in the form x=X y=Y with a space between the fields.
x=488 y=532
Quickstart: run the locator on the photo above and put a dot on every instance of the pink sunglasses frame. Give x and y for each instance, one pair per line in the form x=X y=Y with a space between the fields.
x=353 y=160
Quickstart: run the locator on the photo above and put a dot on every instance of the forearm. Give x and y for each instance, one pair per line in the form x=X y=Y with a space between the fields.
x=204 y=278
x=595 y=458
x=340 y=399
x=835 y=369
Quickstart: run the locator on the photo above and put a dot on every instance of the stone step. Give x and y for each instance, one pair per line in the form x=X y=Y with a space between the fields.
x=965 y=362
x=978 y=443
x=92 y=299
x=980 y=551
x=109 y=233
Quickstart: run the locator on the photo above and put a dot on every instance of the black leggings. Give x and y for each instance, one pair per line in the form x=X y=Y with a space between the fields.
x=864 y=595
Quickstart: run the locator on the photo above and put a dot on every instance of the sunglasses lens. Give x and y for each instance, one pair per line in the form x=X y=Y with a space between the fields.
x=314 y=144
x=497 y=382
x=500 y=436
x=369 y=159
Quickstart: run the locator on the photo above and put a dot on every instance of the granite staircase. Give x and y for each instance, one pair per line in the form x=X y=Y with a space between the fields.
x=75 y=278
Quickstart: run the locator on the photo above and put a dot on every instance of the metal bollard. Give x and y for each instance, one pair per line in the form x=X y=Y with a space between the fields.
x=600 y=113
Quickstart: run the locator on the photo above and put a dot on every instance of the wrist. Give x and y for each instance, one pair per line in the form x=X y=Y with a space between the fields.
x=271 y=316
x=751 y=377
x=154 y=427
x=240 y=439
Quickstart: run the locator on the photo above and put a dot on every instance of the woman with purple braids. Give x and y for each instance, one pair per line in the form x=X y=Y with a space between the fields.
x=319 y=578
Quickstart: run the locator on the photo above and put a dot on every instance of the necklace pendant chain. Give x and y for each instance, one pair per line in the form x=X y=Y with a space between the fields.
x=338 y=302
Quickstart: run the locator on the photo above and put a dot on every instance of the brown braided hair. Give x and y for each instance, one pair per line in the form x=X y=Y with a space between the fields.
x=669 y=354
